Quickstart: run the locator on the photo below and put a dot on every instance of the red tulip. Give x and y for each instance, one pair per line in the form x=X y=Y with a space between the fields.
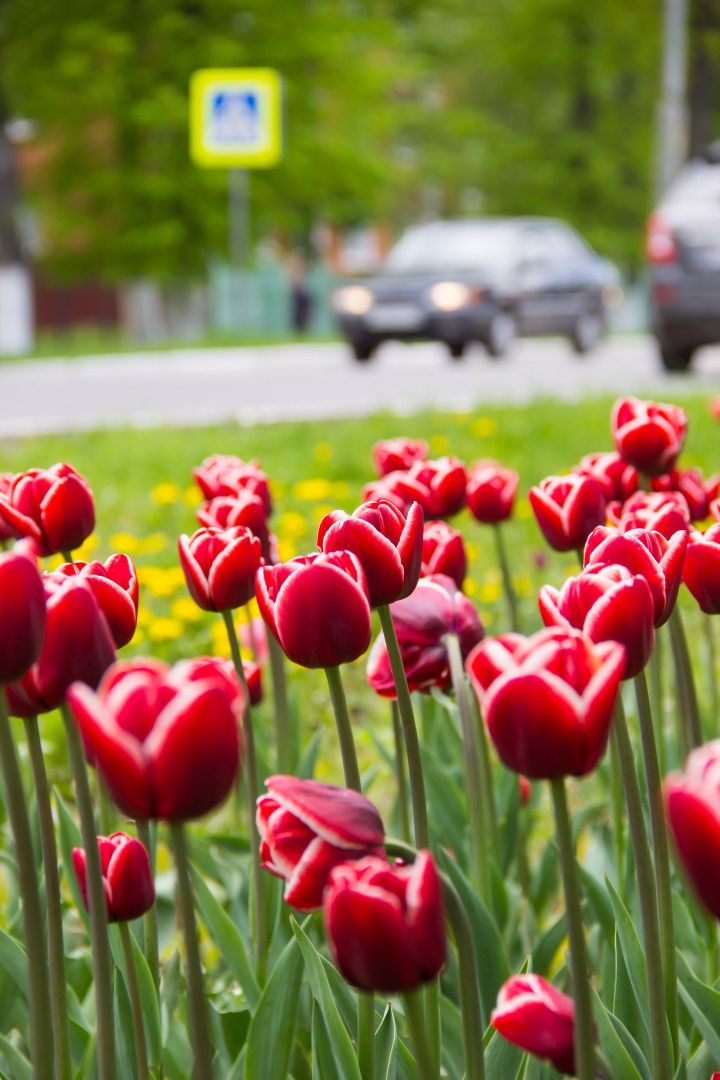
x=391 y=455
x=548 y=700
x=664 y=512
x=220 y=566
x=422 y=621
x=532 y=1014
x=385 y=923
x=167 y=745
x=228 y=511
x=648 y=434
x=317 y=607
x=22 y=615
x=445 y=480
x=701 y=572
x=54 y=507
x=78 y=645
x=443 y=552
x=608 y=603
x=618 y=479
x=307 y=829
x=491 y=491
x=567 y=509
x=649 y=554
x=400 y=489
x=697 y=491
x=692 y=799
x=388 y=544
x=6 y=530
x=114 y=585
x=210 y=667
x=127 y=876
x=225 y=474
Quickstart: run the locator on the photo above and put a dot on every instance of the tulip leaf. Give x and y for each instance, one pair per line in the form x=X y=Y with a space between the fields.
x=548 y=945
x=703 y=1004
x=492 y=962
x=345 y=999
x=453 y=1043
x=503 y=1059
x=598 y=901
x=386 y=1046
x=323 y=1062
x=13 y=959
x=272 y=1028
x=228 y=939
x=124 y=1044
x=632 y=950
x=544 y=882
x=614 y=1048
x=70 y=838
x=342 y=1047
x=17 y=1065
x=306 y=768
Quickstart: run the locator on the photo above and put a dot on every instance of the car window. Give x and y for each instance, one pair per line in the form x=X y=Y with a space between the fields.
x=453 y=247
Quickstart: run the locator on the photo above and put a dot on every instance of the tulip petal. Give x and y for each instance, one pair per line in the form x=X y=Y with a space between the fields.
x=696 y=830
x=370 y=939
x=129 y=876
x=68 y=514
x=343 y=817
x=322 y=617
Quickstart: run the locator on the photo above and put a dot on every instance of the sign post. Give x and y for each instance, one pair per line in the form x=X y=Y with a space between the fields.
x=236 y=124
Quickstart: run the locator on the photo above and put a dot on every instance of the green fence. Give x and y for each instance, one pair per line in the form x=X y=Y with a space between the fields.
x=258 y=302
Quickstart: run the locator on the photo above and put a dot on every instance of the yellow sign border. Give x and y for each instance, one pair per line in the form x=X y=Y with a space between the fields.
x=266 y=78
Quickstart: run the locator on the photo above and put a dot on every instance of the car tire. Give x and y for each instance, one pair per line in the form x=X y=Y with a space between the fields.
x=586 y=333
x=673 y=358
x=500 y=333
x=456 y=349
x=363 y=349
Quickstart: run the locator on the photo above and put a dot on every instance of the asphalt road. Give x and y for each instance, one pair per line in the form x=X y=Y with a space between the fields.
x=257 y=385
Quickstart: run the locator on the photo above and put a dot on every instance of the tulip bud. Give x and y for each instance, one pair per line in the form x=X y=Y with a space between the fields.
x=167 y=744
x=692 y=799
x=567 y=509
x=385 y=924
x=491 y=491
x=127 y=876
x=443 y=552
x=548 y=700
x=532 y=1014
x=22 y=615
x=391 y=455
x=308 y=828
x=220 y=566
x=648 y=434
x=114 y=585
x=422 y=621
x=317 y=607
x=54 y=507
x=387 y=544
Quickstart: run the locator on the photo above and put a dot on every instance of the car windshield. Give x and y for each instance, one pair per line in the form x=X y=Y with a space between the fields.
x=458 y=247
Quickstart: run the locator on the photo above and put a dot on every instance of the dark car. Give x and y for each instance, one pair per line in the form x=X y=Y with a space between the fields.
x=481 y=280
x=683 y=250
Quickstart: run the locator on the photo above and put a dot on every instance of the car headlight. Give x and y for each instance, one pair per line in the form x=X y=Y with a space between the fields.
x=353 y=299
x=451 y=295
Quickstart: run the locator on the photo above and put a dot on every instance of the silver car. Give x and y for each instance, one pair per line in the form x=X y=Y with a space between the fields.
x=683 y=250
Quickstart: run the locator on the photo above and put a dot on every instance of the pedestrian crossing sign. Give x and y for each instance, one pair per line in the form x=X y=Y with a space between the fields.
x=236 y=118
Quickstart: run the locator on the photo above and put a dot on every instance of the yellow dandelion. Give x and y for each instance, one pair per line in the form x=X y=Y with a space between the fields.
x=292 y=524
x=470 y=587
x=484 y=427
x=439 y=444
x=165 y=494
x=152 y=544
x=340 y=489
x=87 y=547
x=161 y=581
x=54 y=561
x=165 y=629
x=163 y=858
x=125 y=542
x=321 y=510
x=472 y=549
x=312 y=490
x=145 y=616
x=186 y=610
x=490 y=592
x=323 y=451
x=218 y=640
x=192 y=496
x=523 y=509
x=286 y=549
x=523 y=585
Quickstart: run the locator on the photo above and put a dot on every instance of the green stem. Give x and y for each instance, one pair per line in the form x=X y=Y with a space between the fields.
x=400 y=777
x=56 y=949
x=67 y=556
x=97 y=905
x=135 y=1003
x=432 y=1020
x=488 y=785
x=150 y=927
x=366 y=1035
x=661 y=854
x=283 y=730
x=344 y=729
x=683 y=668
x=479 y=832
x=584 y=1034
x=618 y=812
x=252 y=791
x=41 y=1050
x=510 y=597
x=660 y=1047
x=407 y=717
x=415 y=1016
x=710 y=647
x=655 y=666
x=470 y=1005
x=197 y=1009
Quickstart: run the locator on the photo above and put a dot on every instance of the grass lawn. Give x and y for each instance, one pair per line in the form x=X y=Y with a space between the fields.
x=146 y=497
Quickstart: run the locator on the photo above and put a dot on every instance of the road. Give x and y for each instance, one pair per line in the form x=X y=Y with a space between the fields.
x=258 y=385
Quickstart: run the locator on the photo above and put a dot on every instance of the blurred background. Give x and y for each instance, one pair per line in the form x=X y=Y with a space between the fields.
x=395 y=112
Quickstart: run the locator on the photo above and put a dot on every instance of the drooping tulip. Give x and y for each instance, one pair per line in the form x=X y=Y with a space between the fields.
x=532 y=1014
x=307 y=829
